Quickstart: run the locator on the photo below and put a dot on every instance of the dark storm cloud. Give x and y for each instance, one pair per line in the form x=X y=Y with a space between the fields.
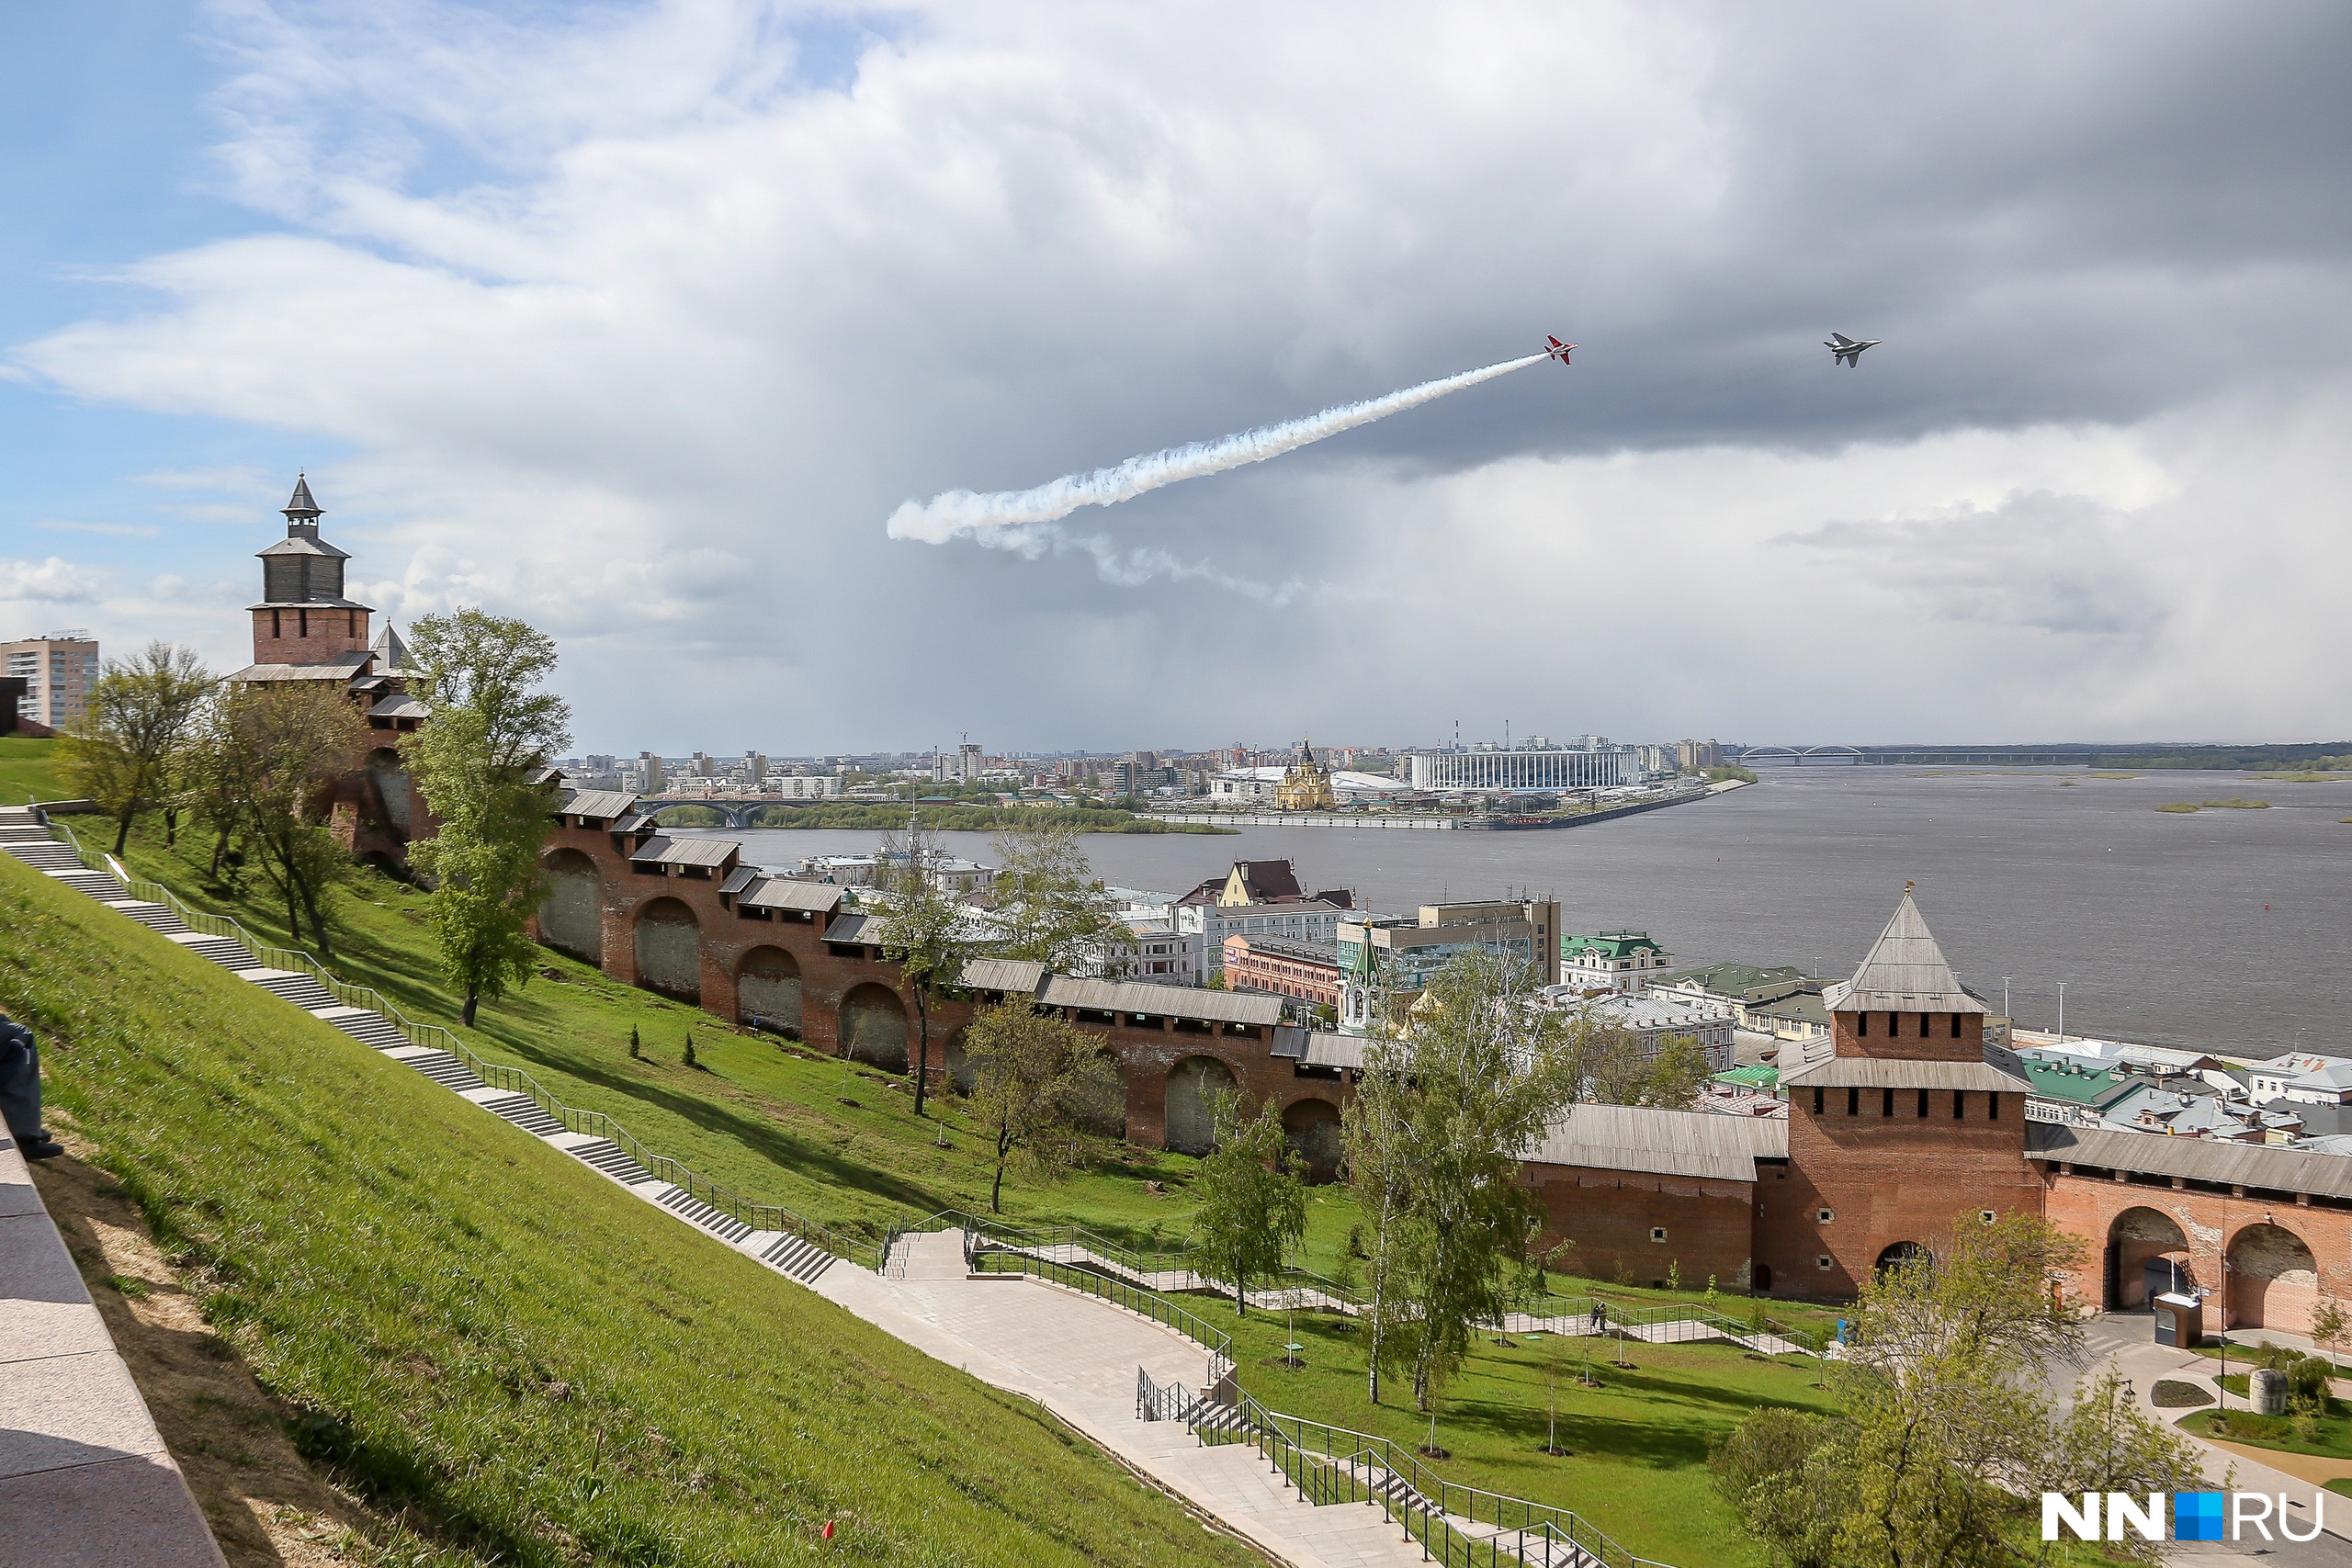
x=644 y=329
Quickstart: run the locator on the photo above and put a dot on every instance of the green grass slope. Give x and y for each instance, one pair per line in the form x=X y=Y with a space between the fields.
x=524 y=1363
x=767 y=1117
x=29 y=771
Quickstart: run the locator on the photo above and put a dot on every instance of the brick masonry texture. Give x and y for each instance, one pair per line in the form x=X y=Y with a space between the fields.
x=702 y=950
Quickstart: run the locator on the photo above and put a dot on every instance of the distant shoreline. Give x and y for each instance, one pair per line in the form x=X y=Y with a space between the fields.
x=862 y=817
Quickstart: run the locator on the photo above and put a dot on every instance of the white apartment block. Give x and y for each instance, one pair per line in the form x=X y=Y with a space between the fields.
x=57 y=671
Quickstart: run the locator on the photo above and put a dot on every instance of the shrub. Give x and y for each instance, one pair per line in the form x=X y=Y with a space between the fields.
x=1787 y=1475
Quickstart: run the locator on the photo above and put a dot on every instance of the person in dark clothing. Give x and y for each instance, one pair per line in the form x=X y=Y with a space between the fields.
x=20 y=1091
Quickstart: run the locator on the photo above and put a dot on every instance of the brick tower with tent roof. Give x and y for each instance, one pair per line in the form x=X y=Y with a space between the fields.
x=307 y=629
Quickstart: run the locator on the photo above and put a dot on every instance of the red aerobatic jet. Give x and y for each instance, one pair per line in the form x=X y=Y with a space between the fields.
x=1558 y=350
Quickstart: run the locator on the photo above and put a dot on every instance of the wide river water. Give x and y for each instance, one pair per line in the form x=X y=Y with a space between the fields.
x=2226 y=928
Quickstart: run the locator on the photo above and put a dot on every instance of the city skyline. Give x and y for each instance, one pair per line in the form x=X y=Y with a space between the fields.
x=460 y=264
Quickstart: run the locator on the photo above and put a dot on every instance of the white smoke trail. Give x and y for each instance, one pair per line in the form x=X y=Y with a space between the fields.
x=962 y=512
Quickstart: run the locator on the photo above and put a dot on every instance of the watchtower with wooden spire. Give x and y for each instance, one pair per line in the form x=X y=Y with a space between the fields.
x=303 y=619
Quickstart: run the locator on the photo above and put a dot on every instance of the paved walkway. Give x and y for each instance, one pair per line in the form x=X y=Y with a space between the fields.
x=85 y=1477
x=1072 y=1353
x=1077 y=1355
x=2128 y=1340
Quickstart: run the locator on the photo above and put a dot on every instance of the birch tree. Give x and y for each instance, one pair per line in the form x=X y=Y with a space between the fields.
x=923 y=931
x=1451 y=1103
x=1252 y=1203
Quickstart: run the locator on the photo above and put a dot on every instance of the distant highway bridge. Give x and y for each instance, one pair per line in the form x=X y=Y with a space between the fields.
x=736 y=808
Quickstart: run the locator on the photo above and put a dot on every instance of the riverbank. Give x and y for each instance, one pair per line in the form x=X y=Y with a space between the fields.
x=1409 y=821
x=888 y=819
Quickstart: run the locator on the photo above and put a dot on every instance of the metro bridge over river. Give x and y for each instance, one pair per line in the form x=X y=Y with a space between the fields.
x=738 y=808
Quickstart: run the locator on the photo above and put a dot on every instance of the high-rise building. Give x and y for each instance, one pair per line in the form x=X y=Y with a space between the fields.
x=969 y=763
x=58 y=670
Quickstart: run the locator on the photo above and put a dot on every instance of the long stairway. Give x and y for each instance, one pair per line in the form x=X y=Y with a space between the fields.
x=24 y=837
x=1068 y=1350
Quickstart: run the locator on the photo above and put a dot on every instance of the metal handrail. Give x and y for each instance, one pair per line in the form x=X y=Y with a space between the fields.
x=983 y=1254
x=1159 y=1272
x=495 y=1074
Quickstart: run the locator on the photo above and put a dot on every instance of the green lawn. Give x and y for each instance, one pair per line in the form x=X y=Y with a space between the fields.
x=759 y=1113
x=2331 y=1434
x=29 y=771
x=478 y=1333
x=1636 y=1465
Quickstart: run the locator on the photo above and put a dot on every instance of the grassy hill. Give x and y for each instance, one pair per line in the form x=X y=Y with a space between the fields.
x=835 y=1141
x=29 y=771
x=491 y=1343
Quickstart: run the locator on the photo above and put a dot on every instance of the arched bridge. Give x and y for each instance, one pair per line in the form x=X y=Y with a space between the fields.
x=2060 y=755
x=737 y=809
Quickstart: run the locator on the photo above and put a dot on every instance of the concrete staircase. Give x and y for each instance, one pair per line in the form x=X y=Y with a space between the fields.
x=787 y=1254
x=1067 y=1349
x=24 y=837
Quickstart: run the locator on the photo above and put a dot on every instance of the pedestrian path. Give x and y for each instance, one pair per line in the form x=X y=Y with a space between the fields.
x=1078 y=1356
x=1074 y=1353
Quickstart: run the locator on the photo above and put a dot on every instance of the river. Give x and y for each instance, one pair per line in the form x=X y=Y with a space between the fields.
x=2224 y=929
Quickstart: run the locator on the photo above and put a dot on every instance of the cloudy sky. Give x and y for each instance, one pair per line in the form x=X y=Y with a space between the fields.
x=639 y=320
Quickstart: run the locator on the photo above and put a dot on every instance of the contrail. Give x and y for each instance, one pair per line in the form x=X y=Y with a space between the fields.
x=962 y=510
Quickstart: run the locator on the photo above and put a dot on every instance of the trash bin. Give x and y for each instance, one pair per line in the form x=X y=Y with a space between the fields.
x=2180 y=1321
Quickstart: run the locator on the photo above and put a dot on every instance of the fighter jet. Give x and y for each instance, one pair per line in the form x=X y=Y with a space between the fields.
x=1849 y=350
x=1558 y=350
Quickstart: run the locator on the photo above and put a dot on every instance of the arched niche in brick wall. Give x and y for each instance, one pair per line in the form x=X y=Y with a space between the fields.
x=1902 y=1253
x=389 y=772
x=2274 y=1279
x=2146 y=1251
x=767 y=989
x=1193 y=1085
x=874 y=1027
x=1311 y=1127
x=669 y=950
x=570 y=916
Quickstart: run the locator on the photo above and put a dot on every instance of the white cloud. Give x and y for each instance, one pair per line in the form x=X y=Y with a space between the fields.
x=631 y=323
x=53 y=580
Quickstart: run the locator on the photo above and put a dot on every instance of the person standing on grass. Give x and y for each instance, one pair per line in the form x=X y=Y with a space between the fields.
x=20 y=1090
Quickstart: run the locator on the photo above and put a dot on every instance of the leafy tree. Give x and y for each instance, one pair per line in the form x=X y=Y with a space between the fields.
x=1777 y=1468
x=2330 y=1326
x=137 y=720
x=273 y=754
x=1614 y=1067
x=1253 y=1205
x=1446 y=1108
x=1678 y=1074
x=1054 y=908
x=1944 y=1425
x=2107 y=1444
x=925 y=931
x=478 y=762
x=1039 y=1084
